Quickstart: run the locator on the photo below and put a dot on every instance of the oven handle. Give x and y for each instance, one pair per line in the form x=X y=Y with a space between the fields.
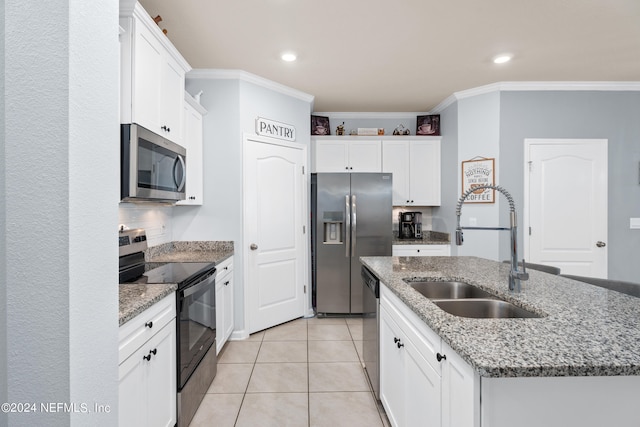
x=199 y=286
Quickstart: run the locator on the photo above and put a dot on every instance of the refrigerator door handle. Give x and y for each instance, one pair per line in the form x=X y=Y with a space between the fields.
x=353 y=225
x=347 y=215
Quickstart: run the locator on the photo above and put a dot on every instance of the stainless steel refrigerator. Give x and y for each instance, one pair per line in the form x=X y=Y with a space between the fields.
x=351 y=217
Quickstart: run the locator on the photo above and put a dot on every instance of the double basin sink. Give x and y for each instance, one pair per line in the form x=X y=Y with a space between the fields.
x=465 y=300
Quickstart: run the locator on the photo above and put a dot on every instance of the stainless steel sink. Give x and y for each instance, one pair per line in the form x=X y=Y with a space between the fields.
x=483 y=309
x=465 y=300
x=447 y=289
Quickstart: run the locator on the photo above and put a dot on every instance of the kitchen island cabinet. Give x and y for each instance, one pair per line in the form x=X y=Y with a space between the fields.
x=346 y=154
x=422 y=382
x=577 y=364
x=147 y=375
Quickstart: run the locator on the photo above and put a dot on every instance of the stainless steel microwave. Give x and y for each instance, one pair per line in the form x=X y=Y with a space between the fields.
x=152 y=168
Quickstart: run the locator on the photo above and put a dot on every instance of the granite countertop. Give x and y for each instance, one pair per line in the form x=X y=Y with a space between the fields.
x=135 y=298
x=428 y=238
x=586 y=331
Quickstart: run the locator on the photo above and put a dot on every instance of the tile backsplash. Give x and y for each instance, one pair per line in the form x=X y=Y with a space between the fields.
x=154 y=218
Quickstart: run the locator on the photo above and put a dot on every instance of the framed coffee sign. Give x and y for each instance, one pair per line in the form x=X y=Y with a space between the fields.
x=477 y=172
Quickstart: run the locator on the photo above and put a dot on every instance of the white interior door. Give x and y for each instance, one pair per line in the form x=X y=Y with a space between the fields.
x=566 y=204
x=274 y=239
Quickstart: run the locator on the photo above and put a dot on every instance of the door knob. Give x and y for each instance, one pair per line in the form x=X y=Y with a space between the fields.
x=601 y=244
x=253 y=247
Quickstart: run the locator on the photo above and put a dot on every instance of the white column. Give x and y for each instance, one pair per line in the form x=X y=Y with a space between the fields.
x=61 y=163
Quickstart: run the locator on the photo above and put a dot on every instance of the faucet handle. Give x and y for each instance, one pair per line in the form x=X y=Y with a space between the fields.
x=523 y=275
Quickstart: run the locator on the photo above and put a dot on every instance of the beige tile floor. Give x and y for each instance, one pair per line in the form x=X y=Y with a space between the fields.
x=304 y=373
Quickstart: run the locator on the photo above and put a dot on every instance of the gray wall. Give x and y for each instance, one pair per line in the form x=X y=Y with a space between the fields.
x=444 y=217
x=61 y=154
x=232 y=106
x=588 y=114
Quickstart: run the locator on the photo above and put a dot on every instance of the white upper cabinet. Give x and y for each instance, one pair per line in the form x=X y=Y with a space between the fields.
x=415 y=165
x=192 y=141
x=152 y=77
x=347 y=155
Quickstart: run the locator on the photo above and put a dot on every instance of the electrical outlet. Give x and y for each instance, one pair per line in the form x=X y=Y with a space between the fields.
x=634 y=223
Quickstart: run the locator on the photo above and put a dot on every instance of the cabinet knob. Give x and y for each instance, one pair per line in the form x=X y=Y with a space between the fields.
x=441 y=357
x=346 y=167
x=253 y=247
x=154 y=351
x=149 y=325
x=399 y=344
x=226 y=283
x=351 y=168
x=147 y=357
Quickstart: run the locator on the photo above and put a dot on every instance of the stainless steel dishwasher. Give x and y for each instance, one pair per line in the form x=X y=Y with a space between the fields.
x=371 y=329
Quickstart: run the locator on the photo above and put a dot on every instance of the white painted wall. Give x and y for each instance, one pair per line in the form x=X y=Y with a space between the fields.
x=60 y=201
x=479 y=135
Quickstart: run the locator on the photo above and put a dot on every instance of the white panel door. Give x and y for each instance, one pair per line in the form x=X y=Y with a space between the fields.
x=274 y=209
x=566 y=207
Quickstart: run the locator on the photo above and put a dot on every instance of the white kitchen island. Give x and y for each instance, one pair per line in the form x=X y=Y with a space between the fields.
x=576 y=365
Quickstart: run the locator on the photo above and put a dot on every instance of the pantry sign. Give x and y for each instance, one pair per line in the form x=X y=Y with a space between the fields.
x=477 y=172
x=266 y=127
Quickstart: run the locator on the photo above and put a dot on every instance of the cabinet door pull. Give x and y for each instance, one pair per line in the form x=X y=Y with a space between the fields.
x=147 y=357
x=149 y=325
x=226 y=283
x=154 y=351
x=441 y=357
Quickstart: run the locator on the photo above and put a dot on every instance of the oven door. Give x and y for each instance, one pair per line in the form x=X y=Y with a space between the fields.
x=196 y=327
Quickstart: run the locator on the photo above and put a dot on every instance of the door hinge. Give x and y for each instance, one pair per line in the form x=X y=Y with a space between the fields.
x=303 y=170
x=304 y=229
x=305 y=289
x=530 y=165
x=529 y=231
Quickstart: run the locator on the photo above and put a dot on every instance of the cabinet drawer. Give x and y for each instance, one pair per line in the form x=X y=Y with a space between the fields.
x=426 y=341
x=421 y=250
x=224 y=268
x=141 y=328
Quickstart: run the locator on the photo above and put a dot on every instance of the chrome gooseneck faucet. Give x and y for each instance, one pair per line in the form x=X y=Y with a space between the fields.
x=515 y=275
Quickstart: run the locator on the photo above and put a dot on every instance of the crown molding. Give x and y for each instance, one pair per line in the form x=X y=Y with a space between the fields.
x=227 y=74
x=373 y=115
x=538 y=86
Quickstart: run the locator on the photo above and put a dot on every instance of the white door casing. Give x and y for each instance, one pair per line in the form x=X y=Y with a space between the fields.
x=274 y=242
x=565 y=204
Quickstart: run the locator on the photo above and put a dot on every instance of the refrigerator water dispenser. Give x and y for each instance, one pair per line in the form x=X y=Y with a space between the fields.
x=333 y=223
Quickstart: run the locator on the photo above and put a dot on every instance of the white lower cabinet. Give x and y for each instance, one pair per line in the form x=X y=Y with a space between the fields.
x=147 y=371
x=422 y=381
x=421 y=250
x=224 y=303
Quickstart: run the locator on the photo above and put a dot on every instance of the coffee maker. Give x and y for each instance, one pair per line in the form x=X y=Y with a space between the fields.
x=410 y=225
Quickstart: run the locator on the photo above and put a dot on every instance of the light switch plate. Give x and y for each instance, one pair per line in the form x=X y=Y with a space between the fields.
x=634 y=223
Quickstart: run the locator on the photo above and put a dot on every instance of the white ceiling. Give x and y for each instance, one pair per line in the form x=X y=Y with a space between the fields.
x=406 y=55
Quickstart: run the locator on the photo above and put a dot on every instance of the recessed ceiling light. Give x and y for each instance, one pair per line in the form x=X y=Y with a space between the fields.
x=501 y=59
x=288 y=57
